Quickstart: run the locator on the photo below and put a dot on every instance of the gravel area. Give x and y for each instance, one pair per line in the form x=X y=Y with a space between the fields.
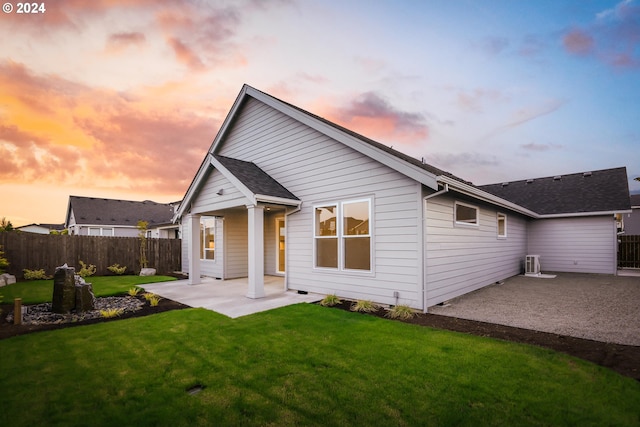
x=591 y=306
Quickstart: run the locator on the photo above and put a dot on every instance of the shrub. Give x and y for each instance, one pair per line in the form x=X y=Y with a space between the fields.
x=154 y=300
x=111 y=312
x=4 y=263
x=35 y=274
x=148 y=295
x=86 y=270
x=133 y=291
x=330 y=301
x=116 y=269
x=363 y=306
x=402 y=312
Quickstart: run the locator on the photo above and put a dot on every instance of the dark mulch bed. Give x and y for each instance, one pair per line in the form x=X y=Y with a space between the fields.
x=624 y=359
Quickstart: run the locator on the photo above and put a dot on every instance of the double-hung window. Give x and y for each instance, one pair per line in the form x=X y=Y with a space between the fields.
x=342 y=235
x=207 y=237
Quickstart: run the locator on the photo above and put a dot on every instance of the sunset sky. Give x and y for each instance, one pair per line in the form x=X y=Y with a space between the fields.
x=122 y=98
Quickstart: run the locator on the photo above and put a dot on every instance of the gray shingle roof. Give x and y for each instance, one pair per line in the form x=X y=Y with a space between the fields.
x=598 y=191
x=635 y=199
x=91 y=210
x=254 y=178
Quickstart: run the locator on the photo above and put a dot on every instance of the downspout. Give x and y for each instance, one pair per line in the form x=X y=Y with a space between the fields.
x=286 y=237
x=444 y=190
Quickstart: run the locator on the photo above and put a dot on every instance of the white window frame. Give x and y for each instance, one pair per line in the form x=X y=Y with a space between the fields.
x=203 y=230
x=500 y=215
x=101 y=231
x=341 y=236
x=466 y=223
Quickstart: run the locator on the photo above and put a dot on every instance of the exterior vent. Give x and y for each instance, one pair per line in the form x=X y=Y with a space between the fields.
x=557 y=177
x=529 y=181
x=504 y=184
x=532 y=265
x=586 y=174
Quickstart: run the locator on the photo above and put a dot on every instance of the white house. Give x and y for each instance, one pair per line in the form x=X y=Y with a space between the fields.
x=284 y=192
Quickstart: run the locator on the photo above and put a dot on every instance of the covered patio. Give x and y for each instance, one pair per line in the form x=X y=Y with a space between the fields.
x=229 y=297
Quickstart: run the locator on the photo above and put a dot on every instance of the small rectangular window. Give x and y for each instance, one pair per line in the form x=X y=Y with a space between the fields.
x=466 y=214
x=502 y=225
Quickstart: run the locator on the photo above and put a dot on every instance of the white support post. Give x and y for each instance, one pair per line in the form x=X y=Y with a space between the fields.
x=256 y=251
x=194 y=249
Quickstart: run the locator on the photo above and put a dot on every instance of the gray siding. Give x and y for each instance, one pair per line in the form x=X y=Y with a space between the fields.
x=460 y=259
x=632 y=222
x=318 y=169
x=236 y=249
x=208 y=194
x=586 y=245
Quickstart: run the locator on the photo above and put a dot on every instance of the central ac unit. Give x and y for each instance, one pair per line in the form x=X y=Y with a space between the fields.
x=532 y=264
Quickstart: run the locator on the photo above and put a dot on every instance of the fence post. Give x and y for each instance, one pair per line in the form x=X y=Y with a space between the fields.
x=17 y=311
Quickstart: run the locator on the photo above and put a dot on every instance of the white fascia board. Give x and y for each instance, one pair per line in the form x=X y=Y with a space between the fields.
x=578 y=214
x=193 y=188
x=277 y=200
x=476 y=193
x=405 y=168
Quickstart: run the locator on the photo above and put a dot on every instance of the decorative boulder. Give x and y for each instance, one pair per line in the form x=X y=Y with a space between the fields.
x=7 y=279
x=64 y=290
x=85 y=299
x=148 y=272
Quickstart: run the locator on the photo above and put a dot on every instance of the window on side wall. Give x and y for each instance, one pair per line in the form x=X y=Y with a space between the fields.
x=466 y=214
x=502 y=225
x=207 y=237
x=342 y=235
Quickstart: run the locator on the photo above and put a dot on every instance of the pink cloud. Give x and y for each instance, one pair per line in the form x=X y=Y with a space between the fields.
x=119 y=41
x=185 y=54
x=373 y=116
x=578 y=42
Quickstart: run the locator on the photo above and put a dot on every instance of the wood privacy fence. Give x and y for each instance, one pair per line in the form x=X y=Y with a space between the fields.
x=47 y=251
x=629 y=251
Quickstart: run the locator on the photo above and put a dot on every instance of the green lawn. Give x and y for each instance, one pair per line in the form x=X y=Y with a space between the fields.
x=298 y=365
x=39 y=291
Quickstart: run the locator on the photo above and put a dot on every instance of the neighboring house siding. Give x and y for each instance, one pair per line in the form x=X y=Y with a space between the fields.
x=632 y=222
x=585 y=245
x=318 y=169
x=460 y=259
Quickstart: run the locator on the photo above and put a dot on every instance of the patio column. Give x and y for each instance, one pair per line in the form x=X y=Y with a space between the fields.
x=256 y=251
x=193 y=250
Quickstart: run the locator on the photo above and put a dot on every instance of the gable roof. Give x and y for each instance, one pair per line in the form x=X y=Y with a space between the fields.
x=587 y=192
x=114 y=212
x=255 y=179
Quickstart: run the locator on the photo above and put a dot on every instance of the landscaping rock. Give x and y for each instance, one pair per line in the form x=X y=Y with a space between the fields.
x=64 y=290
x=148 y=272
x=85 y=299
x=7 y=279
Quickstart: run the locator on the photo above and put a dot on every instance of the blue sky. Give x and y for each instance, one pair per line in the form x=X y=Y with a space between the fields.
x=121 y=99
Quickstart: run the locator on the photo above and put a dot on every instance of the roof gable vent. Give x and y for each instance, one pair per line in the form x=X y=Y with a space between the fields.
x=557 y=177
x=586 y=174
x=504 y=184
x=529 y=181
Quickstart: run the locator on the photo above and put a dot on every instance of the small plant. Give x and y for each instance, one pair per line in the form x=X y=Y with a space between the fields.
x=4 y=263
x=330 y=301
x=402 y=312
x=154 y=300
x=142 y=235
x=133 y=291
x=35 y=274
x=86 y=270
x=364 y=306
x=116 y=269
x=111 y=312
x=148 y=295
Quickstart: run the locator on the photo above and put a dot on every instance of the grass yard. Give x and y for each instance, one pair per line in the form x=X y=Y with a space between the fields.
x=39 y=291
x=298 y=365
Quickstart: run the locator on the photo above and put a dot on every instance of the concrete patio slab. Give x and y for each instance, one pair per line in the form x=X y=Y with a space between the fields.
x=228 y=297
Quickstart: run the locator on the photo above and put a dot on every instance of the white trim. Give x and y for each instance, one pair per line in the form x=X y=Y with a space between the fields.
x=284 y=222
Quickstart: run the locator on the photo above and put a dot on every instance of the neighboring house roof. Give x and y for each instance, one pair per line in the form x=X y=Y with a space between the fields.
x=597 y=191
x=254 y=178
x=44 y=226
x=114 y=212
x=635 y=200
